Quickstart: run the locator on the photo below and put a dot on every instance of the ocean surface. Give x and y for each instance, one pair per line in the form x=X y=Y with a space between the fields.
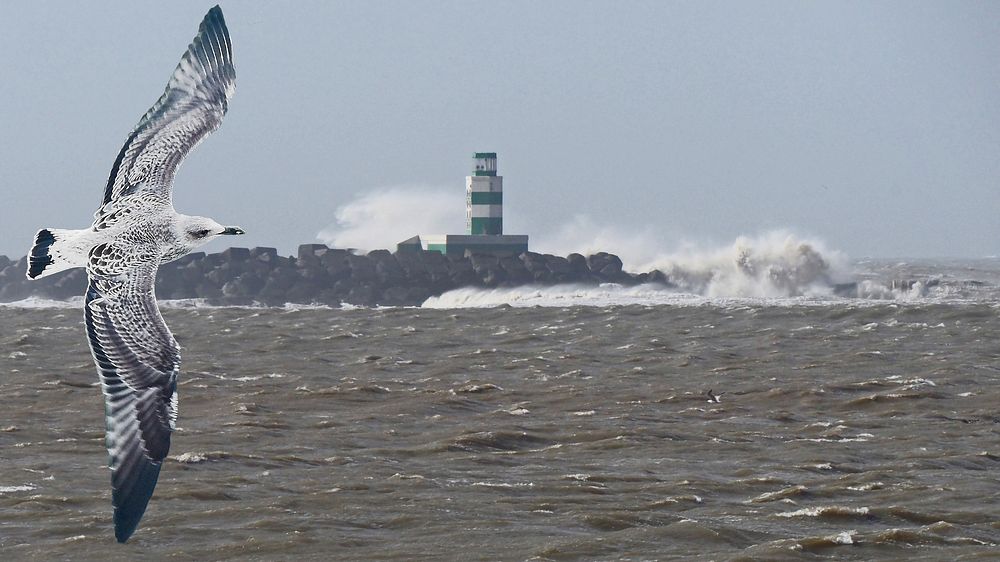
x=561 y=423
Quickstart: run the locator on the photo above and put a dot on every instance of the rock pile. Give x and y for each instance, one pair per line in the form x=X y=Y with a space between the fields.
x=331 y=276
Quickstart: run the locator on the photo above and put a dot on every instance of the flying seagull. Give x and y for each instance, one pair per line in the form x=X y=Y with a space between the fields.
x=134 y=231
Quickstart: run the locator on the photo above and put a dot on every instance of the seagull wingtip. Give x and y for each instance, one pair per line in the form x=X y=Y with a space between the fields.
x=130 y=503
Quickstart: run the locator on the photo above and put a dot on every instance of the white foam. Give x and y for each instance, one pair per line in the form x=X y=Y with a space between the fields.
x=604 y=295
x=186 y=304
x=774 y=268
x=867 y=487
x=503 y=484
x=869 y=289
x=191 y=458
x=23 y=488
x=249 y=378
x=774 y=264
x=818 y=511
x=845 y=537
x=558 y=296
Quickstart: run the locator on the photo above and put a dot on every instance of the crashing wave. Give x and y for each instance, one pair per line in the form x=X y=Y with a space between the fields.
x=773 y=265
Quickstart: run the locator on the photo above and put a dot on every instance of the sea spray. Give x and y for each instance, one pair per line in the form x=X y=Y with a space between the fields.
x=775 y=264
x=384 y=217
x=607 y=294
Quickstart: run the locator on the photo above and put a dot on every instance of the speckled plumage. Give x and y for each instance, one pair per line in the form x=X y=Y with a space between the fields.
x=135 y=229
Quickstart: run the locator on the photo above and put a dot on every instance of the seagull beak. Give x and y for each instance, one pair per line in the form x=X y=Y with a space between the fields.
x=233 y=230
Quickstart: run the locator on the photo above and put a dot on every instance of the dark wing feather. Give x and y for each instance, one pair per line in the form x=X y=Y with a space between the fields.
x=138 y=360
x=191 y=107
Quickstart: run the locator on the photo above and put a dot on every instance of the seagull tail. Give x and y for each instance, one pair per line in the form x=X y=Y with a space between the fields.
x=56 y=250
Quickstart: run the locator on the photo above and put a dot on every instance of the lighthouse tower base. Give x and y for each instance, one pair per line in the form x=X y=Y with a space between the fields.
x=457 y=244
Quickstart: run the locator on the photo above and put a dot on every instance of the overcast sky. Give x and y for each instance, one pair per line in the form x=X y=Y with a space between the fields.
x=873 y=126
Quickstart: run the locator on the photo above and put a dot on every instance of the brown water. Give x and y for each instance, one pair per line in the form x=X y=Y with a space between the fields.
x=843 y=432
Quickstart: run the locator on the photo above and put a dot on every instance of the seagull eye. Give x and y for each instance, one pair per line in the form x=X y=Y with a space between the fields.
x=200 y=233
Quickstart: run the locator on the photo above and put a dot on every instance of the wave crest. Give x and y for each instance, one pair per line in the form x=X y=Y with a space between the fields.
x=776 y=264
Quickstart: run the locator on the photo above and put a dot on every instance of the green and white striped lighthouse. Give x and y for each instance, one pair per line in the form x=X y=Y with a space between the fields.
x=484 y=196
x=483 y=218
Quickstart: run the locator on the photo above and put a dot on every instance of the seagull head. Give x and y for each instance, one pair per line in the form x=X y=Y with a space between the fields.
x=197 y=231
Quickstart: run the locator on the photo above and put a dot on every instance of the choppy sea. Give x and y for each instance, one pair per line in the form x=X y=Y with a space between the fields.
x=560 y=423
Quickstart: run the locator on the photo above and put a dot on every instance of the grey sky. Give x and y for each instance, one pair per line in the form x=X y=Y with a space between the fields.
x=874 y=126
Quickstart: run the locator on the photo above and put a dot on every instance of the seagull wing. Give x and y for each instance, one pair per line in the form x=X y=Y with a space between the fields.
x=138 y=360
x=191 y=107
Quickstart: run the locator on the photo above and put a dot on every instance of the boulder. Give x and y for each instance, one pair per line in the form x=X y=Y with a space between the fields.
x=328 y=297
x=303 y=292
x=342 y=287
x=211 y=260
x=413 y=267
x=482 y=261
x=464 y=278
x=10 y=292
x=578 y=264
x=657 y=276
x=394 y=296
x=235 y=254
x=277 y=285
x=543 y=276
x=599 y=262
x=313 y=274
x=338 y=271
x=389 y=273
x=493 y=276
x=265 y=255
x=312 y=251
x=246 y=285
x=516 y=273
x=334 y=256
x=610 y=270
x=206 y=290
x=286 y=262
x=557 y=264
x=223 y=273
x=415 y=296
x=533 y=262
x=170 y=283
x=72 y=283
x=387 y=268
x=191 y=274
x=439 y=267
x=362 y=269
x=361 y=295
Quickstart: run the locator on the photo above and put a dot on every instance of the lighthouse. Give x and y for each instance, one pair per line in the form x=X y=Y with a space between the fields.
x=484 y=196
x=483 y=218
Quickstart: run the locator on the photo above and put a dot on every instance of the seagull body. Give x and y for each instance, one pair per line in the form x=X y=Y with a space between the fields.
x=135 y=230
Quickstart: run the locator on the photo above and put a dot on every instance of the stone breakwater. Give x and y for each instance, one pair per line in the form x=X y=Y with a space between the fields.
x=331 y=276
